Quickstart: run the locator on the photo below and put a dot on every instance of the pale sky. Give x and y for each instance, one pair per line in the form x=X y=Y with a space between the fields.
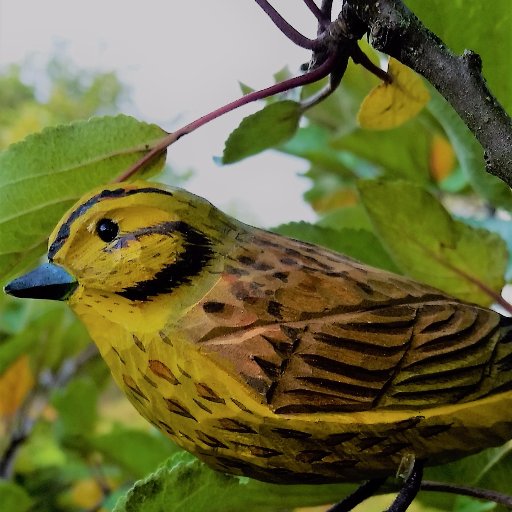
x=180 y=60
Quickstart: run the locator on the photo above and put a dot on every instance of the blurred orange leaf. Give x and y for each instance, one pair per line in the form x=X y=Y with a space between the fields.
x=390 y=105
x=15 y=383
x=337 y=199
x=442 y=158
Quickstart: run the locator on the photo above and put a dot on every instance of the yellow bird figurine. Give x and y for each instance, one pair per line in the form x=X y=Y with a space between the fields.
x=273 y=358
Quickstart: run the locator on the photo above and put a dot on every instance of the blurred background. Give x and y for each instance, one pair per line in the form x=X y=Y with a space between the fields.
x=166 y=63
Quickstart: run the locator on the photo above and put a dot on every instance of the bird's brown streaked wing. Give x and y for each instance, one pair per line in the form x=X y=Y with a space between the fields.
x=312 y=331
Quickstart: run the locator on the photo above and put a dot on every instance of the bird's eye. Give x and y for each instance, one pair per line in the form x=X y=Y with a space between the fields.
x=107 y=229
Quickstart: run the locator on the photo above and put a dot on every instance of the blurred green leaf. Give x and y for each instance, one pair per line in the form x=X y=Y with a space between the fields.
x=355 y=243
x=40 y=451
x=136 y=451
x=76 y=405
x=48 y=485
x=465 y=504
x=313 y=143
x=11 y=349
x=470 y=154
x=186 y=483
x=48 y=331
x=267 y=128
x=44 y=174
x=503 y=229
x=486 y=31
x=13 y=498
x=354 y=217
x=400 y=153
x=14 y=314
x=430 y=246
x=246 y=89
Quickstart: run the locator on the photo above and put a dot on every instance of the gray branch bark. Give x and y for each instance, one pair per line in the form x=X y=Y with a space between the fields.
x=393 y=29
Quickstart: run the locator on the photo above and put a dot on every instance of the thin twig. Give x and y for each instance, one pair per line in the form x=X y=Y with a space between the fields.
x=313 y=76
x=318 y=97
x=465 y=490
x=15 y=442
x=359 y=57
x=290 y=32
x=326 y=8
x=70 y=367
x=427 y=486
x=319 y=15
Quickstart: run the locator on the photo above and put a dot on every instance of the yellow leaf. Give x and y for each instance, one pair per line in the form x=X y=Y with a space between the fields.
x=86 y=493
x=442 y=158
x=390 y=105
x=15 y=383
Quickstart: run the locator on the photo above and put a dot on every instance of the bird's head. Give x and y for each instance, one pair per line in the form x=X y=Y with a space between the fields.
x=127 y=244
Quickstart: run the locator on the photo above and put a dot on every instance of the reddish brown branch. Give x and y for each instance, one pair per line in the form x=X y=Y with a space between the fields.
x=322 y=19
x=313 y=76
x=290 y=32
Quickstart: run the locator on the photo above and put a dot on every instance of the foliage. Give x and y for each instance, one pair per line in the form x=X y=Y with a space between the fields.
x=269 y=127
x=86 y=442
x=73 y=94
x=389 y=198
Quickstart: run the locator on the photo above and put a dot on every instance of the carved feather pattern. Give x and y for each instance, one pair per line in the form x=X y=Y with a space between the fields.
x=277 y=359
x=312 y=331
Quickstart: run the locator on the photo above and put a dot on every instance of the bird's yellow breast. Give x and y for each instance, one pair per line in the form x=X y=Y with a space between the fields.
x=200 y=404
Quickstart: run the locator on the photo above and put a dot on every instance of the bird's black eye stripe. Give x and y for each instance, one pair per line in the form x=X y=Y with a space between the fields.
x=107 y=229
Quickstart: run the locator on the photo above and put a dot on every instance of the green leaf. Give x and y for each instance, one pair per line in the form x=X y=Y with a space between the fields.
x=76 y=406
x=430 y=246
x=470 y=154
x=400 y=153
x=355 y=243
x=136 y=451
x=486 y=31
x=269 y=127
x=48 y=171
x=313 y=143
x=184 y=483
x=502 y=228
x=13 y=497
x=246 y=89
x=354 y=217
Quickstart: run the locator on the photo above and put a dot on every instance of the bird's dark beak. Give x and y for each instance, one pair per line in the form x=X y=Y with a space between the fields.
x=45 y=282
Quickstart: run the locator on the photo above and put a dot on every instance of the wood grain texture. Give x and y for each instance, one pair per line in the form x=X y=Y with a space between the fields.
x=278 y=359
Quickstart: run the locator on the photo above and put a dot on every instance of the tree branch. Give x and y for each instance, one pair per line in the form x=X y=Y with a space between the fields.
x=290 y=32
x=465 y=490
x=322 y=19
x=393 y=29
